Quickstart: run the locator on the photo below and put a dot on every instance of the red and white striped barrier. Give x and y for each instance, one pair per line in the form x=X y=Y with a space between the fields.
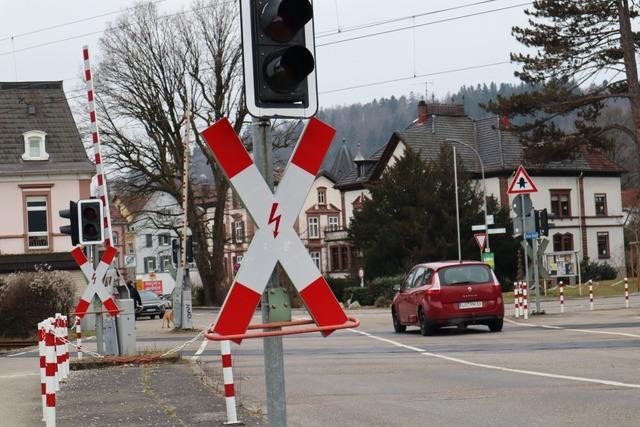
x=590 y=294
x=515 y=300
x=229 y=389
x=96 y=287
x=50 y=371
x=59 y=350
x=79 y=338
x=43 y=367
x=561 y=287
x=525 y=292
x=275 y=240
x=626 y=292
x=520 y=299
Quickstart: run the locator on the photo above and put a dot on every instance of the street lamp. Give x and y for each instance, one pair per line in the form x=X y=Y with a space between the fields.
x=484 y=186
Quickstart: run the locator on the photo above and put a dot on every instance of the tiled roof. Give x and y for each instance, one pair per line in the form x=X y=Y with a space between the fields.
x=53 y=116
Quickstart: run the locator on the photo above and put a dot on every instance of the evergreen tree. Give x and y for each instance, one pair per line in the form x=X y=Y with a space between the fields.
x=575 y=41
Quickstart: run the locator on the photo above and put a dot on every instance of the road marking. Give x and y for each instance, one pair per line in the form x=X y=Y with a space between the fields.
x=498 y=368
x=200 y=349
x=587 y=331
x=7 y=377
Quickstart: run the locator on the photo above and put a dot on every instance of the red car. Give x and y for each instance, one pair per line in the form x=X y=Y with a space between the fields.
x=449 y=293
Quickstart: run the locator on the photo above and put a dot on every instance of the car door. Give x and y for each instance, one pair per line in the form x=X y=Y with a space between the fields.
x=415 y=294
x=403 y=304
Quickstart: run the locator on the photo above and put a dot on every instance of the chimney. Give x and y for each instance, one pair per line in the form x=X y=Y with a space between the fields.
x=423 y=112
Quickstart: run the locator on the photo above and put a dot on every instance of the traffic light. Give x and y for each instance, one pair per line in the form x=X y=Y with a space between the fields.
x=90 y=215
x=175 y=251
x=279 y=58
x=72 y=228
x=542 y=222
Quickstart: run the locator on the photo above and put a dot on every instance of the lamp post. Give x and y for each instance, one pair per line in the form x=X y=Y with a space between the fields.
x=484 y=185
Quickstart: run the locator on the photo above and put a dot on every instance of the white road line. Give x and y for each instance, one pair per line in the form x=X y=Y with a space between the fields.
x=498 y=368
x=200 y=349
x=586 y=331
x=8 y=377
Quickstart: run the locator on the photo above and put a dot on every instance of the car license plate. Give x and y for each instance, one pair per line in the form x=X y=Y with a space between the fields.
x=471 y=304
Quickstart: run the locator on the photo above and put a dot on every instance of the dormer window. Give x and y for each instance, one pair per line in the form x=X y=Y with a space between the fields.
x=34 y=145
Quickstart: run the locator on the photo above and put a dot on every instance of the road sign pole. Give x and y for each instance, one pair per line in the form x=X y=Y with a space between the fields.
x=526 y=246
x=273 y=353
x=455 y=179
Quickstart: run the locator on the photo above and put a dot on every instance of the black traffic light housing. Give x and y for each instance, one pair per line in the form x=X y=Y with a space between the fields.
x=279 y=58
x=542 y=222
x=175 y=251
x=90 y=215
x=72 y=229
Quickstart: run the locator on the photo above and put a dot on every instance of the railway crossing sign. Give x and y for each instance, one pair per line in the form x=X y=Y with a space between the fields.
x=275 y=239
x=94 y=277
x=522 y=183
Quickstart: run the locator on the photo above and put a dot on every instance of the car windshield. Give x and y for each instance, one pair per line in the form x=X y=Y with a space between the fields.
x=464 y=275
x=149 y=296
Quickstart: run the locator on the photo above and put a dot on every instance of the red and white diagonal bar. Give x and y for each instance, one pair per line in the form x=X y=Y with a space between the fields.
x=95 y=136
x=94 y=278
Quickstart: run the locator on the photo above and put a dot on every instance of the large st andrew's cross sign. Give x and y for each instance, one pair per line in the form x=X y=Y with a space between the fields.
x=275 y=240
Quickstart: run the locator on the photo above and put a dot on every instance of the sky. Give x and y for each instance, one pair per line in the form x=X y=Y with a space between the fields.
x=37 y=44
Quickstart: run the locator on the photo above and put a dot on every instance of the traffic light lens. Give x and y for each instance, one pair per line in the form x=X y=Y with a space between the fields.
x=287 y=68
x=89 y=213
x=282 y=19
x=90 y=231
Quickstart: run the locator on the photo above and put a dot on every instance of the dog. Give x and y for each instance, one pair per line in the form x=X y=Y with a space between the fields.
x=168 y=318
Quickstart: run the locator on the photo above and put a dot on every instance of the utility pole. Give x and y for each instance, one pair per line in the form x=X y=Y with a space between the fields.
x=273 y=351
x=183 y=269
x=455 y=180
x=526 y=244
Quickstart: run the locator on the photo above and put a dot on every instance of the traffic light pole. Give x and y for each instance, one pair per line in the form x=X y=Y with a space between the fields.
x=97 y=305
x=273 y=352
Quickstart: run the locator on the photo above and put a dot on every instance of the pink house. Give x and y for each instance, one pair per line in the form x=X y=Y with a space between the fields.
x=43 y=165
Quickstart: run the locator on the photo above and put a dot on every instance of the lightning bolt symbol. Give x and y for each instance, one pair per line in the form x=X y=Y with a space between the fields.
x=274 y=218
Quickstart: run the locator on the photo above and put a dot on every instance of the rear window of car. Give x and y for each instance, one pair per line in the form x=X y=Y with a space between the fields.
x=464 y=275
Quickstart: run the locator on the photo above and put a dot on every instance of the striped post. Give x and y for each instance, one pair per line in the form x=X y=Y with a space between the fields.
x=515 y=300
x=59 y=350
x=626 y=292
x=561 y=286
x=79 y=337
x=520 y=300
x=51 y=368
x=590 y=294
x=65 y=334
x=525 y=293
x=95 y=136
x=229 y=389
x=43 y=367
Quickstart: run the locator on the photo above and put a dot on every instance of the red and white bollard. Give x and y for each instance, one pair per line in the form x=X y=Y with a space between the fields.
x=50 y=371
x=626 y=292
x=515 y=300
x=525 y=292
x=65 y=343
x=561 y=286
x=590 y=294
x=43 y=367
x=79 y=338
x=58 y=343
x=229 y=390
x=520 y=298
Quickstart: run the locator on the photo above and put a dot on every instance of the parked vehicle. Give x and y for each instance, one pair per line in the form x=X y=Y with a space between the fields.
x=152 y=305
x=166 y=300
x=451 y=293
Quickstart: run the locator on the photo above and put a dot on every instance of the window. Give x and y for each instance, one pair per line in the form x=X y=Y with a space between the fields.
x=560 y=203
x=417 y=277
x=334 y=223
x=601 y=204
x=34 y=145
x=149 y=240
x=322 y=196
x=340 y=258
x=164 y=239
x=165 y=263
x=314 y=233
x=37 y=224
x=116 y=238
x=315 y=256
x=562 y=242
x=409 y=280
x=238 y=227
x=603 y=245
x=149 y=264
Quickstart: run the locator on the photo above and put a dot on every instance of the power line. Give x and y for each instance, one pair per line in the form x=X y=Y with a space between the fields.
x=423 y=25
x=454 y=70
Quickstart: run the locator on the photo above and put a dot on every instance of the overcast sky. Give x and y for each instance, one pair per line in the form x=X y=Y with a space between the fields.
x=428 y=51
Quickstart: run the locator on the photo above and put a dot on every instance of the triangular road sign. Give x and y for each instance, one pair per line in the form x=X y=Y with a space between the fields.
x=481 y=239
x=522 y=183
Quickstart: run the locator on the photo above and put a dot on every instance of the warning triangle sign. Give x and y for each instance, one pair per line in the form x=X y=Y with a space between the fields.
x=522 y=183
x=481 y=239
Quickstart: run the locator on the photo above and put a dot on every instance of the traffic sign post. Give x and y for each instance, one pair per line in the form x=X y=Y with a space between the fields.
x=481 y=240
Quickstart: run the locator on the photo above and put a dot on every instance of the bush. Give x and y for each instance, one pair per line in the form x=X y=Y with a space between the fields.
x=382 y=301
x=29 y=298
x=198 y=296
x=383 y=286
x=597 y=271
x=338 y=287
x=362 y=295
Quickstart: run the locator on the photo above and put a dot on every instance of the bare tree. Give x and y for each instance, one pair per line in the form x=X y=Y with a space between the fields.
x=152 y=67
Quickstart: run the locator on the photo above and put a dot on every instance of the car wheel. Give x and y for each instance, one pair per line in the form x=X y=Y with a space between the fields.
x=426 y=328
x=397 y=326
x=496 y=325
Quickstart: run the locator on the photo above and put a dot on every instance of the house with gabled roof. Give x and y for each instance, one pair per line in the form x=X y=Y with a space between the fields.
x=583 y=193
x=43 y=165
